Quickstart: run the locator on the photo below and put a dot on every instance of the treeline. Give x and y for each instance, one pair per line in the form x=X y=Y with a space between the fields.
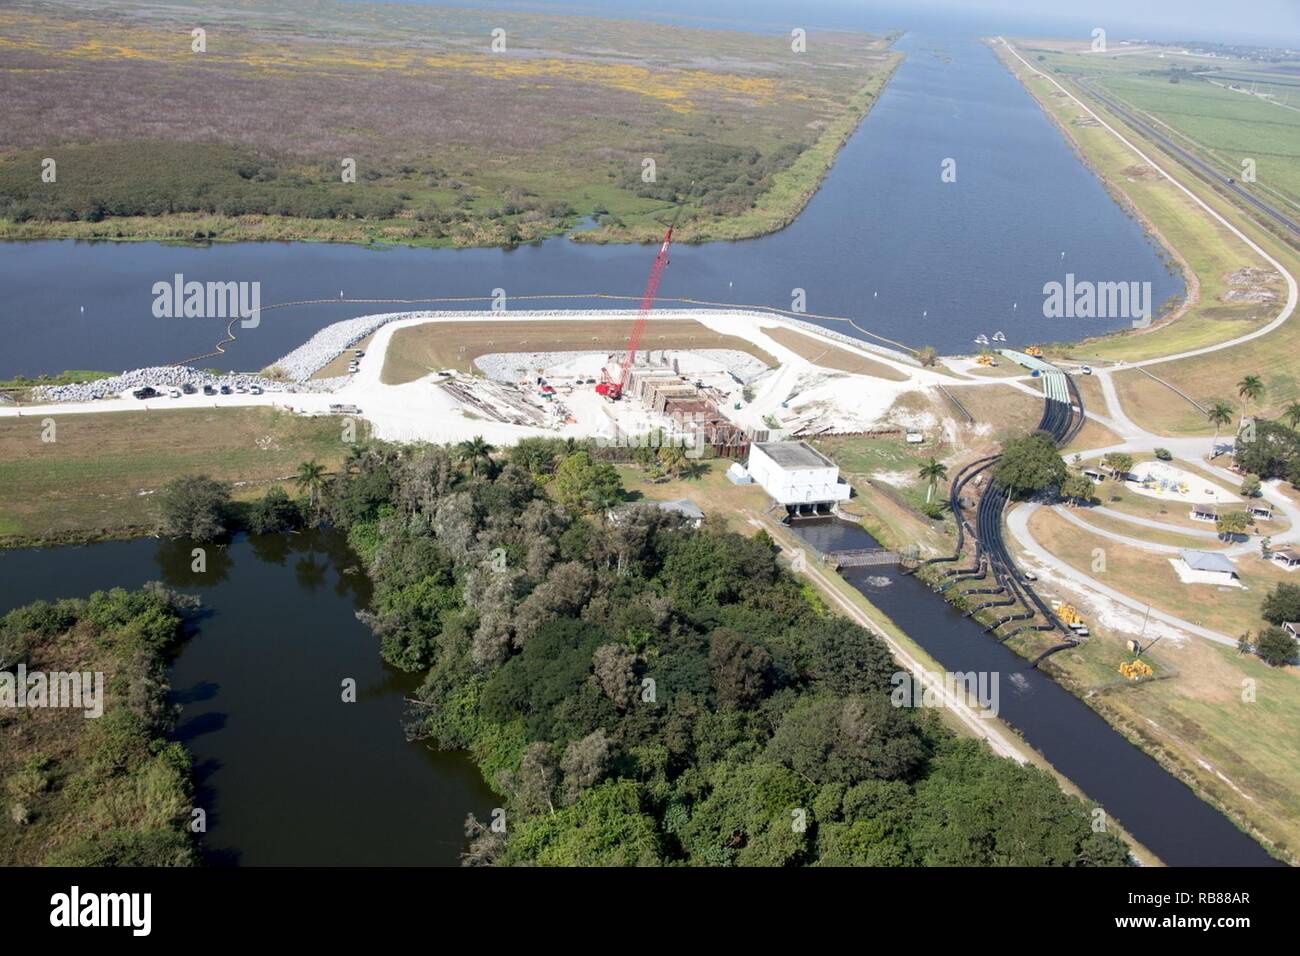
x=156 y=179
x=100 y=791
x=713 y=178
x=641 y=692
x=1271 y=450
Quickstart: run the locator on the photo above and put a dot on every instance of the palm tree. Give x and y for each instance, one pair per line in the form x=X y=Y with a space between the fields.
x=1220 y=414
x=310 y=477
x=1251 y=389
x=1292 y=414
x=927 y=355
x=693 y=469
x=932 y=471
x=476 y=451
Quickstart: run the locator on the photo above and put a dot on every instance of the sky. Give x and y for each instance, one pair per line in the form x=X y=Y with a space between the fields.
x=1266 y=22
x=1271 y=21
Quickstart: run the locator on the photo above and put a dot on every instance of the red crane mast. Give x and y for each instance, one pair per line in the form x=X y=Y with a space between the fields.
x=611 y=388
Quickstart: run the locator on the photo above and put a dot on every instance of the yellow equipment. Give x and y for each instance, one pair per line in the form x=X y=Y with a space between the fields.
x=1035 y=351
x=1135 y=670
x=1068 y=615
x=986 y=360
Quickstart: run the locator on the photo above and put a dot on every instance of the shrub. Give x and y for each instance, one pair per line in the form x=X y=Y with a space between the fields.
x=194 y=507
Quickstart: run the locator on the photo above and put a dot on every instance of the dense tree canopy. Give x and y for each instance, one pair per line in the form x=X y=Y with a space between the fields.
x=642 y=692
x=112 y=790
x=1268 y=449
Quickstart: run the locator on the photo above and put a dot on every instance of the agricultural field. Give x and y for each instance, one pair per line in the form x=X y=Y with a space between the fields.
x=98 y=475
x=1224 y=110
x=1232 y=290
x=451 y=142
x=417 y=350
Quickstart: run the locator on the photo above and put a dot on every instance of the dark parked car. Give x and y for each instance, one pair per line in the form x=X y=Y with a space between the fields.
x=188 y=389
x=209 y=390
x=225 y=389
x=145 y=392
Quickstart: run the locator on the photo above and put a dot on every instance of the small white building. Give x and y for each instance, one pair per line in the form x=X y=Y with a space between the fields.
x=1287 y=559
x=1205 y=567
x=737 y=474
x=797 y=475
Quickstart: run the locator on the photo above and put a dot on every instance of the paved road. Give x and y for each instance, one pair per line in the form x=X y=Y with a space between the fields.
x=1018 y=522
x=1152 y=523
x=1136 y=439
x=1074 y=519
x=1190 y=159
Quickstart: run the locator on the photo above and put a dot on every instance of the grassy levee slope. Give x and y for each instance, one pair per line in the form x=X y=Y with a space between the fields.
x=1236 y=292
x=453 y=143
x=820 y=352
x=97 y=478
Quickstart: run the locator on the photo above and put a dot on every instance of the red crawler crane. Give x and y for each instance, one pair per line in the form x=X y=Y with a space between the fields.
x=613 y=389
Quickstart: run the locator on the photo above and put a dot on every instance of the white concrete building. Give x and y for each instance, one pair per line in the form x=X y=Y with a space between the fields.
x=796 y=475
x=1205 y=567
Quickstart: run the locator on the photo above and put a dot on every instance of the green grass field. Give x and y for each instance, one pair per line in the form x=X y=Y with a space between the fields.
x=97 y=478
x=1223 y=125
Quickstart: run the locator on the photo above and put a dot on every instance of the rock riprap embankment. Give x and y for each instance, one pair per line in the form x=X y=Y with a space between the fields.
x=164 y=377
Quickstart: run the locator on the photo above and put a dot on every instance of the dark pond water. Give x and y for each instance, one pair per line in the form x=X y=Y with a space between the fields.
x=885 y=242
x=287 y=772
x=1159 y=810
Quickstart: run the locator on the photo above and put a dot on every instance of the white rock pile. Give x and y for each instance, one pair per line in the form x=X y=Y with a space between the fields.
x=330 y=342
x=159 y=377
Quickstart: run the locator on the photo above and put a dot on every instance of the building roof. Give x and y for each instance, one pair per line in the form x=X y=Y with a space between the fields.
x=1208 y=561
x=1290 y=554
x=794 y=454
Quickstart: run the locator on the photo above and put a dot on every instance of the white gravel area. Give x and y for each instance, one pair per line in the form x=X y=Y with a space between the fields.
x=506 y=366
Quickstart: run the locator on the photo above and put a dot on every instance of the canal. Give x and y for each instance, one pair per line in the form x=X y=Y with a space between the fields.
x=885 y=241
x=1159 y=810
x=287 y=772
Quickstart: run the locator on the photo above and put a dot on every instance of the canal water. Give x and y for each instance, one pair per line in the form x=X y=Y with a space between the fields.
x=288 y=773
x=885 y=241
x=1158 y=809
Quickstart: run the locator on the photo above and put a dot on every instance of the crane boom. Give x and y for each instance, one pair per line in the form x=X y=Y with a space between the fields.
x=613 y=389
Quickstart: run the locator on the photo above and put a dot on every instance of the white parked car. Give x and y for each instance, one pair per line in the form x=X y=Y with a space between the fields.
x=1086 y=370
